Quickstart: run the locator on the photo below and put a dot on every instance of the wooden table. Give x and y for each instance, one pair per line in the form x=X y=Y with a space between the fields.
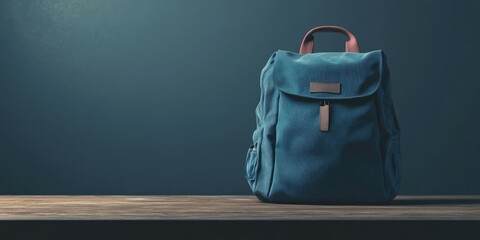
x=215 y=216
x=229 y=208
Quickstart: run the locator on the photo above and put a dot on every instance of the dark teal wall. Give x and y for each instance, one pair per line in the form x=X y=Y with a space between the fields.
x=158 y=97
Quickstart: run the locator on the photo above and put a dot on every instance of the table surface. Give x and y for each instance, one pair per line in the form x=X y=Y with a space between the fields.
x=225 y=207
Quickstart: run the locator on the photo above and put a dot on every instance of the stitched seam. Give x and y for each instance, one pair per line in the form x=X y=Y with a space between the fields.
x=382 y=161
x=276 y=124
x=275 y=150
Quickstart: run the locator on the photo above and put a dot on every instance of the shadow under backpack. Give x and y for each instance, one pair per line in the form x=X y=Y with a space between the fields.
x=326 y=128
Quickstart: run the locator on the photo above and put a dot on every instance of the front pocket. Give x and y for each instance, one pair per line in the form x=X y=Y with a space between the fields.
x=343 y=164
x=251 y=163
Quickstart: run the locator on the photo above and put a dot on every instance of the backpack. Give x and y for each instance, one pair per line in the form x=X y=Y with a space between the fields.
x=326 y=127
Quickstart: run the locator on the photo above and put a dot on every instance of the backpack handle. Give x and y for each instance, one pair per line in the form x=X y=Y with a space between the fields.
x=307 y=43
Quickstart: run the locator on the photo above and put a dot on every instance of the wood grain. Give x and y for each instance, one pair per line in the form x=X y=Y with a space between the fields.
x=229 y=208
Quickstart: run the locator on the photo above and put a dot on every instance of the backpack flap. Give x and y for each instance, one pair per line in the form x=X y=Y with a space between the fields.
x=328 y=76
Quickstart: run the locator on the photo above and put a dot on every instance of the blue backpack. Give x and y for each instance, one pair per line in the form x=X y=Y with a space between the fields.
x=326 y=127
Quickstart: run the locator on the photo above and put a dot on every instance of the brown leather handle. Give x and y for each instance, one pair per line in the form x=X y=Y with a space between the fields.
x=307 y=43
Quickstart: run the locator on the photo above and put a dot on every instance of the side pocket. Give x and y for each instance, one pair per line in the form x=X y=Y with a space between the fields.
x=396 y=166
x=393 y=168
x=251 y=163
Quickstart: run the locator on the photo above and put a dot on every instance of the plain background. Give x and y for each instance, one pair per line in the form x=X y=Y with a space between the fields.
x=158 y=97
